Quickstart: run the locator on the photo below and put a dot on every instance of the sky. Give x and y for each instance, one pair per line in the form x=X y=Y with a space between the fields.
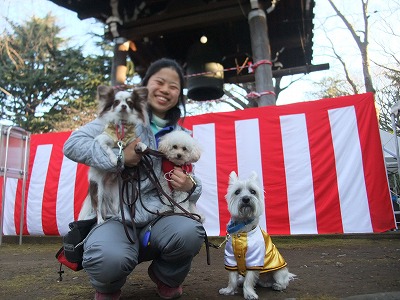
x=381 y=16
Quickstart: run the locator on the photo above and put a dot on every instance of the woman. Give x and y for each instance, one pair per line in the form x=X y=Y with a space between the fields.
x=109 y=257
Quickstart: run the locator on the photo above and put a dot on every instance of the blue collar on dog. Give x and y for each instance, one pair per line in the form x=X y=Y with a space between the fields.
x=233 y=227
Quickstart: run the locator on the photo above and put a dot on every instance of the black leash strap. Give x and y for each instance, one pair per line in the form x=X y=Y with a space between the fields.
x=121 y=205
x=122 y=182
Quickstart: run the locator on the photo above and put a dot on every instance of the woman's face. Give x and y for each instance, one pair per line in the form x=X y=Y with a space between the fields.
x=164 y=89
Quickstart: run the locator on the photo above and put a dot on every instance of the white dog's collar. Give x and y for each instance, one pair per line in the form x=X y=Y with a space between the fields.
x=235 y=226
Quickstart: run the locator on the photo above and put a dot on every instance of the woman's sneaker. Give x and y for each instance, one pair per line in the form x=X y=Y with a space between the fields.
x=163 y=290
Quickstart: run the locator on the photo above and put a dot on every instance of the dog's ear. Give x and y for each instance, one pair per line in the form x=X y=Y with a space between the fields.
x=105 y=97
x=104 y=92
x=139 y=97
x=141 y=92
x=253 y=176
x=233 y=177
x=162 y=145
x=196 y=151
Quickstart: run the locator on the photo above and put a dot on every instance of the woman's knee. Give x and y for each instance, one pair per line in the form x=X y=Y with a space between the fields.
x=185 y=236
x=108 y=255
x=107 y=263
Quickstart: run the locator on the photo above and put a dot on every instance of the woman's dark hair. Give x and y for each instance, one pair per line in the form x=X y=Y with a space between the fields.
x=174 y=113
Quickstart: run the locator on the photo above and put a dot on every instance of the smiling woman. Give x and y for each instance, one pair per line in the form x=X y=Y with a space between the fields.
x=169 y=239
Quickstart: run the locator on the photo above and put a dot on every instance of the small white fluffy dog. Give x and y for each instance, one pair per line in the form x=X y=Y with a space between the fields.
x=180 y=149
x=259 y=261
x=121 y=112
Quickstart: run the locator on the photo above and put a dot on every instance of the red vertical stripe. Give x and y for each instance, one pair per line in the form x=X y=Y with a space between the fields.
x=49 y=222
x=381 y=211
x=226 y=157
x=1 y=199
x=276 y=203
x=17 y=207
x=326 y=193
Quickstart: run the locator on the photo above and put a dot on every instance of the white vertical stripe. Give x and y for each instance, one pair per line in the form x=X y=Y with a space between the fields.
x=9 y=206
x=349 y=168
x=299 y=180
x=249 y=153
x=66 y=195
x=206 y=170
x=36 y=189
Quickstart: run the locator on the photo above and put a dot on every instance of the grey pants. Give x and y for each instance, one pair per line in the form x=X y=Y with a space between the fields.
x=109 y=257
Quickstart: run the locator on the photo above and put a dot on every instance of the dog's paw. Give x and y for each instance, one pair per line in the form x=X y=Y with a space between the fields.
x=250 y=294
x=228 y=291
x=140 y=147
x=278 y=287
x=100 y=219
x=114 y=159
x=251 y=297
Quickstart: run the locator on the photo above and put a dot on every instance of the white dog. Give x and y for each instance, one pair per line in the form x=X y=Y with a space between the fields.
x=180 y=149
x=250 y=255
x=121 y=112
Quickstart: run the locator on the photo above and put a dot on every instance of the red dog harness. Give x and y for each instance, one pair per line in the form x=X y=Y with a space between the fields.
x=168 y=167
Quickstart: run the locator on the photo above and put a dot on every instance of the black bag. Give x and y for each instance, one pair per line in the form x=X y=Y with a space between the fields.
x=71 y=253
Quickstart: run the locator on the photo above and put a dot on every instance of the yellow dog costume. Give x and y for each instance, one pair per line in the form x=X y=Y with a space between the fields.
x=253 y=250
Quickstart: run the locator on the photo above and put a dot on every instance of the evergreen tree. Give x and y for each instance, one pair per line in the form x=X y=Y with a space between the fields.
x=44 y=81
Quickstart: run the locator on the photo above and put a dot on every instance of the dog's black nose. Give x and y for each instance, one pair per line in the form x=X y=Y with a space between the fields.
x=123 y=106
x=246 y=200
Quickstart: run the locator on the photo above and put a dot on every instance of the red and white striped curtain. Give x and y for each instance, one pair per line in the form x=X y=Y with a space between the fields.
x=321 y=164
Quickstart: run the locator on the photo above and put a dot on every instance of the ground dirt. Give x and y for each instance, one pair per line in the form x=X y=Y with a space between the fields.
x=327 y=267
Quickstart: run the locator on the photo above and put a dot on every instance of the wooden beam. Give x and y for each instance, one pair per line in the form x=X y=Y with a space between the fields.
x=187 y=19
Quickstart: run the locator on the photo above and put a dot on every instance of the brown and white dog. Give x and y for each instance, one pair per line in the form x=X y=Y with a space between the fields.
x=121 y=112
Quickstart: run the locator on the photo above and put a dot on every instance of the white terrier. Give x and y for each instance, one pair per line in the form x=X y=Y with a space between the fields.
x=250 y=256
x=182 y=150
x=121 y=112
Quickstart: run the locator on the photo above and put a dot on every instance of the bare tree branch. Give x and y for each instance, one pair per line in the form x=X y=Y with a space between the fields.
x=345 y=69
x=362 y=45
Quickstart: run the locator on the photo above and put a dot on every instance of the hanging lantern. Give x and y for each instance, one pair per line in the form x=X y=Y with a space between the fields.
x=205 y=72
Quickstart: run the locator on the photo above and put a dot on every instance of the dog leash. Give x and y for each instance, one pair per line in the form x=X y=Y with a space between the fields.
x=222 y=243
x=121 y=187
x=146 y=165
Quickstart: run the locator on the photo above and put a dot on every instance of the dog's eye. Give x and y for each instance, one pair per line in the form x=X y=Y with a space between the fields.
x=130 y=103
x=184 y=148
x=253 y=192
x=175 y=146
x=237 y=192
x=116 y=102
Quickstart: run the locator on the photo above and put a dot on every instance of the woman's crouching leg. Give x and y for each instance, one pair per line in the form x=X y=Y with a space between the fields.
x=174 y=242
x=109 y=257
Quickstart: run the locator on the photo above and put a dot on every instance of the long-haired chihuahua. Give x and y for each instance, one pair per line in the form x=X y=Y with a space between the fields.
x=121 y=112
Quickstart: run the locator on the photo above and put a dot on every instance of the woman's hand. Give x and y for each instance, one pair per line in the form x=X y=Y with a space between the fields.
x=181 y=181
x=131 y=157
